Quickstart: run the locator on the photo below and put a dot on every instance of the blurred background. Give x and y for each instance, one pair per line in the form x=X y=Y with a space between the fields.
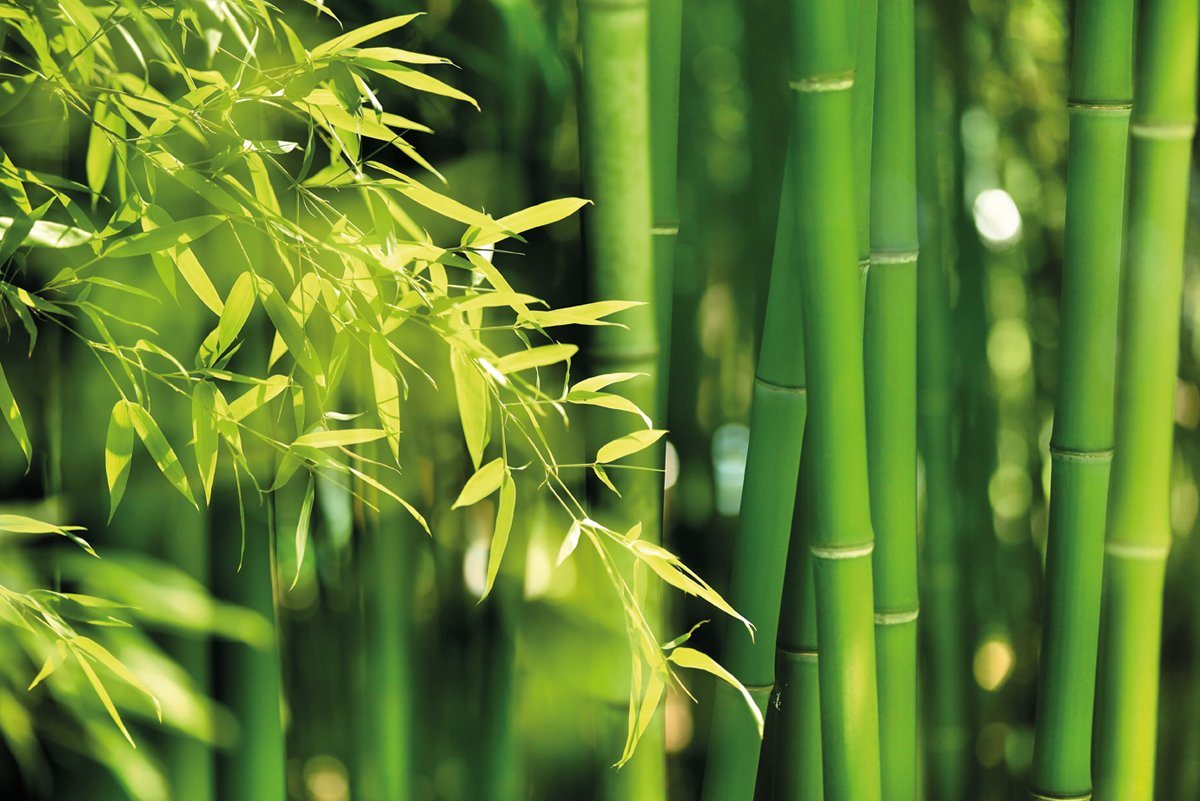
x=384 y=650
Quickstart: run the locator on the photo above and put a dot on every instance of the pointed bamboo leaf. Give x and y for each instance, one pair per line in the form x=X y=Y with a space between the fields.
x=698 y=660
x=339 y=439
x=204 y=431
x=19 y=524
x=533 y=217
x=47 y=234
x=105 y=657
x=102 y=694
x=12 y=416
x=569 y=543
x=302 y=526
x=627 y=445
x=359 y=35
x=169 y=236
x=387 y=391
x=118 y=454
x=160 y=450
x=504 y=519
x=483 y=483
x=100 y=148
x=541 y=356
x=238 y=306
x=474 y=407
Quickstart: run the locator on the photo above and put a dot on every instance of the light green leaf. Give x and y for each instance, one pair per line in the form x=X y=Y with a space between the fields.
x=533 y=217
x=118 y=454
x=359 y=35
x=238 y=306
x=504 y=519
x=474 y=406
x=204 y=430
x=102 y=694
x=486 y=480
x=569 y=543
x=337 y=439
x=302 y=526
x=12 y=416
x=160 y=450
x=535 y=357
x=629 y=444
x=169 y=236
x=586 y=314
x=698 y=660
x=254 y=399
x=387 y=391
x=599 y=382
x=100 y=148
x=448 y=207
x=44 y=233
x=19 y=524
x=104 y=657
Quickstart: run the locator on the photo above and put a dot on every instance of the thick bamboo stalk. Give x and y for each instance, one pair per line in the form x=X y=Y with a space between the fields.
x=823 y=75
x=890 y=344
x=614 y=38
x=760 y=549
x=947 y=666
x=864 y=26
x=1082 y=442
x=1139 y=528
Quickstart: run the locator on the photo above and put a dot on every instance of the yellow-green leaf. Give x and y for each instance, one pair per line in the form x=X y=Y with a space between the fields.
x=12 y=416
x=698 y=660
x=359 y=35
x=535 y=357
x=474 y=406
x=486 y=480
x=204 y=431
x=169 y=236
x=627 y=445
x=504 y=519
x=118 y=454
x=19 y=524
x=47 y=234
x=238 y=306
x=302 y=526
x=533 y=217
x=160 y=450
x=340 y=438
x=387 y=391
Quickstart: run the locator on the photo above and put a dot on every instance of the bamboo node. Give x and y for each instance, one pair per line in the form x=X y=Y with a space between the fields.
x=824 y=83
x=798 y=655
x=614 y=5
x=1163 y=130
x=773 y=387
x=1149 y=553
x=1070 y=455
x=664 y=229
x=893 y=257
x=896 y=618
x=1102 y=109
x=1036 y=796
x=842 y=551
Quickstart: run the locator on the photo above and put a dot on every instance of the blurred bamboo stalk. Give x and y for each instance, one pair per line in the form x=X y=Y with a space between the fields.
x=615 y=40
x=1139 y=525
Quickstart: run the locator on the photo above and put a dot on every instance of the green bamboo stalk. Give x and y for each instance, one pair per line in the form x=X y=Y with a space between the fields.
x=797 y=736
x=842 y=537
x=777 y=416
x=947 y=667
x=1139 y=527
x=864 y=25
x=1082 y=442
x=890 y=345
x=614 y=38
x=666 y=31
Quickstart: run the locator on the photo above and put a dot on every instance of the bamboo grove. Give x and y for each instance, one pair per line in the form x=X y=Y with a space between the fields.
x=792 y=400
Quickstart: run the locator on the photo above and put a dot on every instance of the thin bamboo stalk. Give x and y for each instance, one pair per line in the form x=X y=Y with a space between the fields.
x=1082 y=442
x=760 y=548
x=1139 y=527
x=614 y=38
x=890 y=344
x=822 y=127
x=864 y=24
x=947 y=668
x=666 y=31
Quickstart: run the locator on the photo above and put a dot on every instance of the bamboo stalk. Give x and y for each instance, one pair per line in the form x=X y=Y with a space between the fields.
x=760 y=548
x=1082 y=442
x=842 y=537
x=1139 y=528
x=890 y=344
x=864 y=25
x=947 y=669
x=614 y=38
x=666 y=23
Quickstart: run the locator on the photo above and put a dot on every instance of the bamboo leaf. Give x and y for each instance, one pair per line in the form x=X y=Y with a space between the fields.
x=338 y=439
x=504 y=519
x=160 y=450
x=387 y=391
x=169 y=236
x=540 y=356
x=569 y=543
x=105 y=657
x=118 y=454
x=238 y=306
x=599 y=382
x=100 y=148
x=204 y=431
x=627 y=445
x=303 y=524
x=533 y=217
x=19 y=524
x=586 y=314
x=359 y=35
x=12 y=416
x=474 y=407
x=43 y=233
x=698 y=660
x=483 y=483
x=254 y=399
x=102 y=694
